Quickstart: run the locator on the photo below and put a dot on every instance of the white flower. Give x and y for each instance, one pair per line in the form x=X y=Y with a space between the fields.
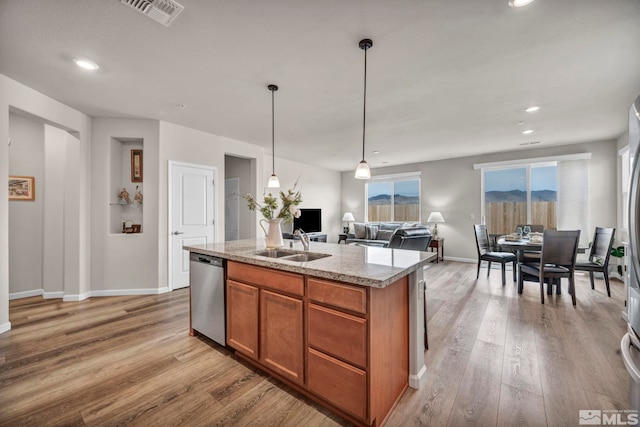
x=297 y=213
x=293 y=209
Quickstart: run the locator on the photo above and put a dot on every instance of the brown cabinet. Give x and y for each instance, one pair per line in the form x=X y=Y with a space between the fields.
x=338 y=334
x=242 y=317
x=343 y=345
x=281 y=335
x=340 y=383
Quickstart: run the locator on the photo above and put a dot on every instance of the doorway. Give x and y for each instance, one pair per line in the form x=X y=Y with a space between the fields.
x=231 y=208
x=243 y=171
x=44 y=153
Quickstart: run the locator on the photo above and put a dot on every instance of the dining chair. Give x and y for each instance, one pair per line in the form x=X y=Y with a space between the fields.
x=557 y=261
x=485 y=253
x=599 y=255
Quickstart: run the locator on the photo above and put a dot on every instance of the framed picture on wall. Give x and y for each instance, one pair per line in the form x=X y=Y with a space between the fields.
x=136 y=165
x=22 y=188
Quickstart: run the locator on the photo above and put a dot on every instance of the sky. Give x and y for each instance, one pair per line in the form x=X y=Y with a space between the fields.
x=542 y=178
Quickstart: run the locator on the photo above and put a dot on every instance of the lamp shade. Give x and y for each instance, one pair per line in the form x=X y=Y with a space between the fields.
x=435 y=217
x=348 y=216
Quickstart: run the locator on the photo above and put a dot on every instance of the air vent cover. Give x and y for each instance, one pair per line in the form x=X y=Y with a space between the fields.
x=163 y=11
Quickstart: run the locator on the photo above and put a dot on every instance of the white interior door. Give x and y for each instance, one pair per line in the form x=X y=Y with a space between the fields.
x=192 y=196
x=231 y=208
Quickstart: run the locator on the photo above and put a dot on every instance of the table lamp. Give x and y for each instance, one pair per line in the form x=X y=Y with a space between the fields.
x=435 y=218
x=347 y=217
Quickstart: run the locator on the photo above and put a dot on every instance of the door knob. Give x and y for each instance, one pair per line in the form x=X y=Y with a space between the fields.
x=175 y=233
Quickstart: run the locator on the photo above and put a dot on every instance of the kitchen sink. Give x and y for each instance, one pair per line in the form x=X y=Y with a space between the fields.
x=304 y=257
x=291 y=255
x=276 y=253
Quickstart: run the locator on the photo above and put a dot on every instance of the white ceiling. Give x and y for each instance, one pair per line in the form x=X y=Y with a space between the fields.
x=445 y=78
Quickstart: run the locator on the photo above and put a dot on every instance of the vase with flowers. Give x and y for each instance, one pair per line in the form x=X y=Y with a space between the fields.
x=274 y=218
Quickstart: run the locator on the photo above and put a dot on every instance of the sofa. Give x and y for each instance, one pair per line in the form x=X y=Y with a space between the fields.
x=416 y=238
x=390 y=234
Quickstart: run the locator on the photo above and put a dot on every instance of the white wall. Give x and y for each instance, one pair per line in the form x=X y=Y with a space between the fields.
x=320 y=188
x=56 y=142
x=182 y=144
x=453 y=188
x=26 y=157
x=124 y=262
x=14 y=95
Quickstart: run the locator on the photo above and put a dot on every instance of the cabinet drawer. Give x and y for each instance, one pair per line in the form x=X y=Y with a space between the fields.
x=278 y=280
x=338 y=295
x=340 y=383
x=339 y=334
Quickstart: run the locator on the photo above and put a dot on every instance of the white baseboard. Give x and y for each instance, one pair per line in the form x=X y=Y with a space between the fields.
x=80 y=297
x=53 y=295
x=76 y=297
x=5 y=327
x=417 y=380
x=26 y=294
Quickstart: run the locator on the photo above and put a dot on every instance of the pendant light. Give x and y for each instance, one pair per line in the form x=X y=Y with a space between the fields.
x=273 y=182
x=363 y=171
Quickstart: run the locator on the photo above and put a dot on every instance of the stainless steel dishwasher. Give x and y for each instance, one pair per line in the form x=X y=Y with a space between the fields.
x=206 y=276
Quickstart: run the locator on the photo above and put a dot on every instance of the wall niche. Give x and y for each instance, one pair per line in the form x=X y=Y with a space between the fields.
x=126 y=195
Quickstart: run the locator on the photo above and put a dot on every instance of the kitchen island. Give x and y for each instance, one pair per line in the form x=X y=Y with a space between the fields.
x=341 y=324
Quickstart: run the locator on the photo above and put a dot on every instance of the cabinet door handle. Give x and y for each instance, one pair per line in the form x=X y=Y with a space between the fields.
x=175 y=233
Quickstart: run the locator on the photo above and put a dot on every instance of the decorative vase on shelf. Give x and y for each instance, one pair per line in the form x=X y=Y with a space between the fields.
x=274 y=233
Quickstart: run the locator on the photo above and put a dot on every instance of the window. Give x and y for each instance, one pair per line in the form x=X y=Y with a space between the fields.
x=556 y=190
x=526 y=194
x=393 y=198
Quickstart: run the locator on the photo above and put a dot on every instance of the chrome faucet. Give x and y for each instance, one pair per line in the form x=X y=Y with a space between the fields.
x=304 y=238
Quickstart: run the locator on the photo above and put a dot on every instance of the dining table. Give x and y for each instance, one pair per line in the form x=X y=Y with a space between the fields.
x=526 y=244
x=519 y=246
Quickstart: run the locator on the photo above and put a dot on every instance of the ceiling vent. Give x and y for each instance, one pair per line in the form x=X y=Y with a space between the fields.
x=163 y=11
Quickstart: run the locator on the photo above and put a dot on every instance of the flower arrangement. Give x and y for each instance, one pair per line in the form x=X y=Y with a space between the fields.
x=290 y=201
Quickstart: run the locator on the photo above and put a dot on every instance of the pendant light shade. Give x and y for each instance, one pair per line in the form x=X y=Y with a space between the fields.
x=363 y=171
x=273 y=182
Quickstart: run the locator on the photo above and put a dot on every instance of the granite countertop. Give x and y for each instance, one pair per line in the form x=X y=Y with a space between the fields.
x=359 y=265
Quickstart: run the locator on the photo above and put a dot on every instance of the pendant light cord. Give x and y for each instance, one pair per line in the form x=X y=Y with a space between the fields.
x=273 y=132
x=364 y=109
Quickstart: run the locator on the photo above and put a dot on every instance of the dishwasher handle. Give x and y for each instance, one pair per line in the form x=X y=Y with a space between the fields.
x=206 y=259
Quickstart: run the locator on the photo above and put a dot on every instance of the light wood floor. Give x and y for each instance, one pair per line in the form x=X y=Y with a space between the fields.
x=495 y=359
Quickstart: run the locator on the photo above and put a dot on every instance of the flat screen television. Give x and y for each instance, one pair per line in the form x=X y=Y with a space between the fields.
x=310 y=220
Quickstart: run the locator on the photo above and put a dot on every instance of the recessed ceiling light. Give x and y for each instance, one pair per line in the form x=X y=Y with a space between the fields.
x=532 y=109
x=527 y=132
x=376 y=152
x=182 y=106
x=86 y=64
x=519 y=3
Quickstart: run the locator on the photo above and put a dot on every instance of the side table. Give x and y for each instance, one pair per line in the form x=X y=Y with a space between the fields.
x=342 y=237
x=438 y=244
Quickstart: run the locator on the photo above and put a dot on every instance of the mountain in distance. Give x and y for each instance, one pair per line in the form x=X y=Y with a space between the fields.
x=398 y=199
x=520 y=196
